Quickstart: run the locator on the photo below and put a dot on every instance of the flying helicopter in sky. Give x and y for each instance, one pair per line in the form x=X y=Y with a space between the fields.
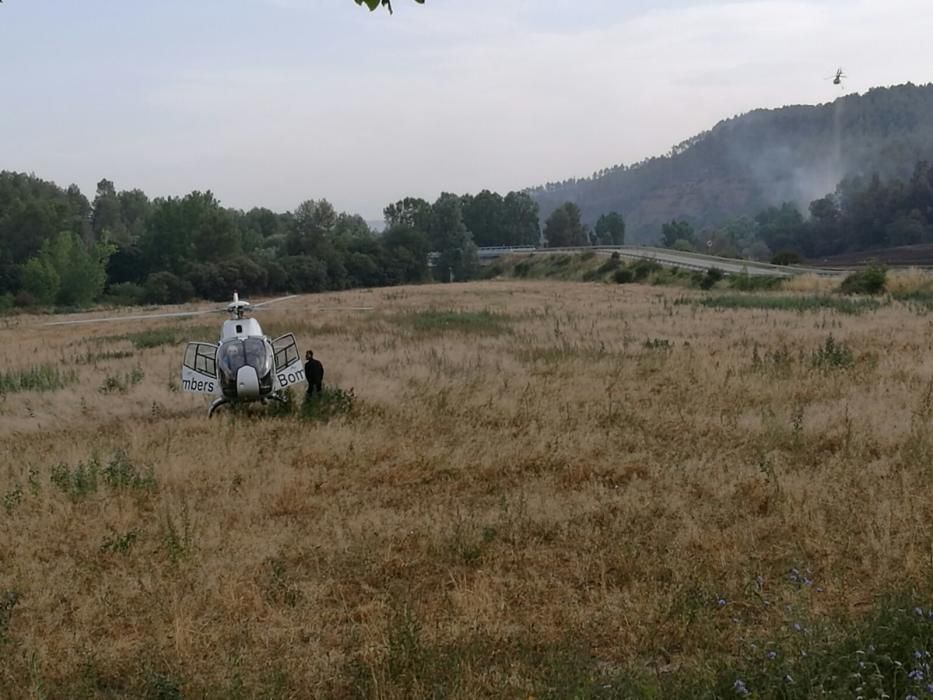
x=244 y=365
x=838 y=77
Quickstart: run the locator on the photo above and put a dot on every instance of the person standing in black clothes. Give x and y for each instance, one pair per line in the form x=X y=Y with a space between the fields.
x=314 y=373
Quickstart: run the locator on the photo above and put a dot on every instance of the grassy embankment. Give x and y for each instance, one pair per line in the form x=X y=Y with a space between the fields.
x=911 y=285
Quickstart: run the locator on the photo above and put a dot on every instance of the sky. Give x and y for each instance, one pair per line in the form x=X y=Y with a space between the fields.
x=272 y=102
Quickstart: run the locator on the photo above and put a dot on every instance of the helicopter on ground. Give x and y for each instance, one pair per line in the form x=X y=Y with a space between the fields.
x=244 y=365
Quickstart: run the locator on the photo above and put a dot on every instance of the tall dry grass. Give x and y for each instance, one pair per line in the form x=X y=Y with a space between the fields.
x=538 y=481
x=814 y=284
x=908 y=281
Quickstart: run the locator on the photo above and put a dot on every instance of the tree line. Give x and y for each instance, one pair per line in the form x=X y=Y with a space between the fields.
x=862 y=214
x=58 y=247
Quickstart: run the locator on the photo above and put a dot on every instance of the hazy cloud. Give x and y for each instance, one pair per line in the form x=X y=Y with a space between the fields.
x=289 y=99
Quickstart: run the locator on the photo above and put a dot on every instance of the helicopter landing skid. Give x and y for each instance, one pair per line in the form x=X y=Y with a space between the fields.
x=215 y=404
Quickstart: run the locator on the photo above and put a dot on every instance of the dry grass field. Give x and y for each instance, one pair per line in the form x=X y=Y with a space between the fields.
x=543 y=489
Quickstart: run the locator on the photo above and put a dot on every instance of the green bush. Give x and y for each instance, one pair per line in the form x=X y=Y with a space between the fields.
x=125 y=294
x=120 y=384
x=683 y=246
x=745 y=282
x=871 y=280
x=623 y=276
x=118 y=474
x=712 y=276
x=37 y=378
x=613 y=263
x=644 y=268
x=832 y=355
x=886 y=655
x=166 y=288
x=787 y=257
x=24 y=300
x=783 y=302
x=330 y=403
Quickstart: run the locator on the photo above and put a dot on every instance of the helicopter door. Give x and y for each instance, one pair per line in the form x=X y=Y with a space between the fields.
x=288 y=368
x=199 y=371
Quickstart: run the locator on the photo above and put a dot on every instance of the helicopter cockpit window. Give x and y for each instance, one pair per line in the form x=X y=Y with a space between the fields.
x=232 y=357
x=235 y=354
x=258 y=356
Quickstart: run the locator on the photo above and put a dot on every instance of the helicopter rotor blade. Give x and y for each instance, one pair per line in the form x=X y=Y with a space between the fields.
x=344 y=308
x=138 y=317
x=316 y=308
x=272 y=301
x=188 y=314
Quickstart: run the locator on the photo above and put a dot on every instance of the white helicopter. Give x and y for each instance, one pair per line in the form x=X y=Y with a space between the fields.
x=245 y=365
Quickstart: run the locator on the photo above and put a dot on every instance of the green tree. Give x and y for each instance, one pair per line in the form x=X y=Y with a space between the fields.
x=80 y=214
x=908 y=228
x=33 y=211
x=314 y=221
x=677 y=231
x=366 y=261
x=40 y=281
x=107 y=217
x=564 y=228
x=450 y=238
x=484 y=217
x=522 y=225
x=305 y=274
x=781 y=228
x=215 y=236
x=351 y=227
x=135 y=209
x=412 y=212
x=168 y=241
x=610 y=229
x=80 y=270
x=826 y=224
x=167 y=288
x=193 y=228
x=406 y=254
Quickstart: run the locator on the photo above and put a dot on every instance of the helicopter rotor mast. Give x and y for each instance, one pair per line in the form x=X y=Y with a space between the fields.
x=237 y=308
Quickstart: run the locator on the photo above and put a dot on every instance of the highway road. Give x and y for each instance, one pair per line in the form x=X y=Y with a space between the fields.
x=673 y=258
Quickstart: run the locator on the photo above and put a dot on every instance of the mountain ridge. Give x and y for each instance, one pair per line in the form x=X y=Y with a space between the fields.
x=764 y=157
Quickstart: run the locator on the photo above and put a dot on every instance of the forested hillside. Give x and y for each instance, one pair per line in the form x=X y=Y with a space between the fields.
x=764 y=158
